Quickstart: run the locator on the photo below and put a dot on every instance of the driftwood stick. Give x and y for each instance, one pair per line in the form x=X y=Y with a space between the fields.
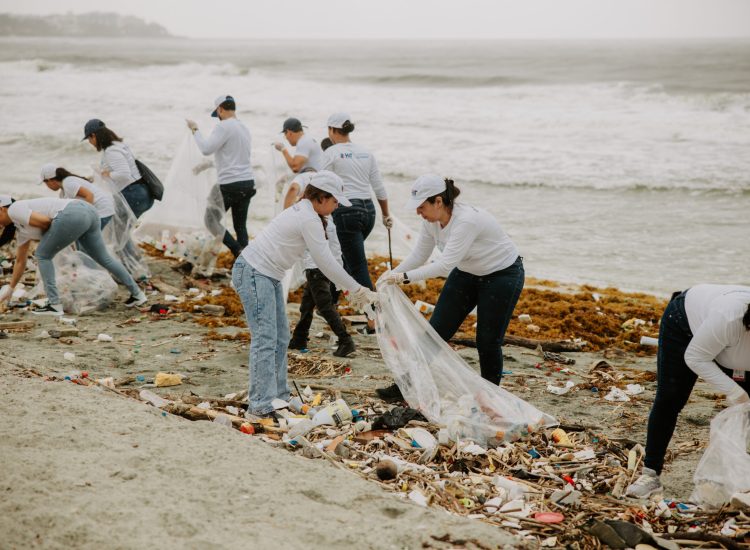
x=547 y=345
x=195 y=413
x=703 y=537
x=17 y=325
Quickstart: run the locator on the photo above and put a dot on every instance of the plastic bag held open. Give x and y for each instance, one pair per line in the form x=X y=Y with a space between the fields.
x=437 y=382
x=724 y=468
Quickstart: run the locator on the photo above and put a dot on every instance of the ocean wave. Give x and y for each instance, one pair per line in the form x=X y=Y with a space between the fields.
x=442 y=80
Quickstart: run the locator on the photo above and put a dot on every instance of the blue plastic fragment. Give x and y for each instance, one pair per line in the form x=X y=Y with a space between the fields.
x=594 y=389
x=140 y=378
x=534 y=454
x=415 y=445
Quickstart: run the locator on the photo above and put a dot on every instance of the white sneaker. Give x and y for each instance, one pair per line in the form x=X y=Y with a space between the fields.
x=137 y=300
x=646 y=485
x=50 y=309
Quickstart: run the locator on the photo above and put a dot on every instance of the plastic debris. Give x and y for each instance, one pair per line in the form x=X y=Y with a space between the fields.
x=634 y=389
x=616 y=394
x=69 y=356
x=557 y=390
x=151 y=397
x=104 y=338
x=163 y=379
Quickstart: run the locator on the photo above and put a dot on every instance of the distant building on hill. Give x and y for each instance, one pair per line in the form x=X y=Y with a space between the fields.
x=82 y=25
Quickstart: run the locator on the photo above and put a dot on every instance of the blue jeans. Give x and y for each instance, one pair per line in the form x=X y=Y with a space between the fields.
x=77 y=222
x=353 y=224
x=138 y=198
x=265 y=309
x=237 y=195
x=674 y=381
x=495 y=296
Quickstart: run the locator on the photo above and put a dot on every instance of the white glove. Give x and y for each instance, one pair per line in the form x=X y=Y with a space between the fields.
x=388 y=222
x=391 y=277
x=279 y=146
x=192 y=125
x=5 y=293
x=362 y=297
x=738 y=397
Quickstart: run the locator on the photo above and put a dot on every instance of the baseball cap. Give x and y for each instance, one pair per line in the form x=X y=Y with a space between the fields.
x=293 y=125
x=218 y=101
x=336 y=120
x=92 y=126
x=331 y=183
x=5 y=200
x=424 y=187
x=48 y=171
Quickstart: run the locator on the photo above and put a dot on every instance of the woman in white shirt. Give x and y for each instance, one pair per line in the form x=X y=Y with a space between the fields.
x=257 y=276
x=118 y=164
x=481 y=262
x=357 y=167
x=56 y=224
x=704 y=332
x=71 y=186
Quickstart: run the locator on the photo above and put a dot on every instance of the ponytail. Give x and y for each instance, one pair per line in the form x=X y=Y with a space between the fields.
x=449 y=196
x=62 y=173
x=346 y=128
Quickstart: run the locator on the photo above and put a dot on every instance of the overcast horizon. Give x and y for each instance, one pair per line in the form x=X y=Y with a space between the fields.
x=425 y=20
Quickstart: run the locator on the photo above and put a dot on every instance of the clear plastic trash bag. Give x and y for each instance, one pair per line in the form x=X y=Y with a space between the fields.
x=724 y=468
x=437 y=382
x=83 y=285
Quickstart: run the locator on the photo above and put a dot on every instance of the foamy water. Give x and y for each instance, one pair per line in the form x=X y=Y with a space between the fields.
x=623 y=164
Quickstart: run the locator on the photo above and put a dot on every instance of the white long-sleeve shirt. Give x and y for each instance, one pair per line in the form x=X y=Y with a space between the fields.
x=310 y=149
x=230 y=143
x=284 y=240
x=119 y=160
x=715 y=314
x=358 y=168
x=472 y=241
x=103 y=201
x=20 y=215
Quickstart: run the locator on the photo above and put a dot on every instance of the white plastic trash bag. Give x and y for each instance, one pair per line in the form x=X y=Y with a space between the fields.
x=437 y=382
x=724 y=468
x=82 y=284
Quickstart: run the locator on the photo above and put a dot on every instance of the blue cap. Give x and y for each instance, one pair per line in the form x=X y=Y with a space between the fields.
x=92 y=126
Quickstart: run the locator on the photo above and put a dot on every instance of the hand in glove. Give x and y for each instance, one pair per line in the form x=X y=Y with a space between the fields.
x=391 y=277
x=362 y=297
x=388 y=222
x=192 y=125
x=279 y=146
x=5 y=293
x=738 y=397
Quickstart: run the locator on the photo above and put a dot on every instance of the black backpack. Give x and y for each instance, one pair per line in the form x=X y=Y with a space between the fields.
x=154 y=184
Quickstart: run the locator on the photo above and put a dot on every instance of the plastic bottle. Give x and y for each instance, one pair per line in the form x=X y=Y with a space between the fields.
x=334 y=414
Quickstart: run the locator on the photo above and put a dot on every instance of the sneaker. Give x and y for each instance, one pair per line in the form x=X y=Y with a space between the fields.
x=49 y=309
x=646 y=485
x=392 y=393
x=136 y=300
x=297 y=343
x=345 y=348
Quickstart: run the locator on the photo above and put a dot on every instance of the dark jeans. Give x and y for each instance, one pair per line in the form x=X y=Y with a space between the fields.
x=138 y=198
x=353 y=224
x=495 y=296
x=318 y=294
x=237 y=195
x=674 y=381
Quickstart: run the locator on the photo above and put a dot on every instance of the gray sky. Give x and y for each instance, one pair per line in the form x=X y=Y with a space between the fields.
x=423 y=18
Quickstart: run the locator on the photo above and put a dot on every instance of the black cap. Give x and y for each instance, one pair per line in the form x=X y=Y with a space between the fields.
x=92 y=126
x=293 y=125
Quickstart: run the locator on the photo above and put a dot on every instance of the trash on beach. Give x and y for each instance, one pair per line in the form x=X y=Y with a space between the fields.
x=104 y=338
x=525 y=318
x=397 y=417
x=616 y=394
x=649 y=341
x=557 y=390
x=424 y=307
x=69 y=356
x=634 y=389
x=151 y=397
x=163 y=379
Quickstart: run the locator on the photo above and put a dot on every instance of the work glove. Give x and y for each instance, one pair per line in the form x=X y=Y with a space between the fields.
x=391 y=277
x=192 y=125
x=738 y=397
x=388 y=222
x=279 y=146
x=362 y=297
x=5 y=293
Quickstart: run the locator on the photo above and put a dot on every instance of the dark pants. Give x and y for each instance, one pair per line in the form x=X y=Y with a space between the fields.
x=318 y=294
x=138 y=198
x=674 y=381
x=353 y=224
x=495 y=296
x=237 y=196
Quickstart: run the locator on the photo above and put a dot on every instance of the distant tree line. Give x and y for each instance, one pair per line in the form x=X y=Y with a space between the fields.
x=85 y=24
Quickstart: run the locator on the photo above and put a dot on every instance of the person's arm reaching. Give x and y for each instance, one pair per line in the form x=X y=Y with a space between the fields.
x=22 y=254
x=461 y=238
x=209 y=145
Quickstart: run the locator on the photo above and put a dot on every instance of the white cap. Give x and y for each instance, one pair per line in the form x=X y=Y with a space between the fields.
x=425 y=187
x=331 y=183
x=218 y=101
x=48 y=172
x=336 y=120
x=5 y=200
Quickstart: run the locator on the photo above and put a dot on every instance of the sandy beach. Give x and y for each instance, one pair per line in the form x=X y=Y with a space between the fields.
x=87 y=468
